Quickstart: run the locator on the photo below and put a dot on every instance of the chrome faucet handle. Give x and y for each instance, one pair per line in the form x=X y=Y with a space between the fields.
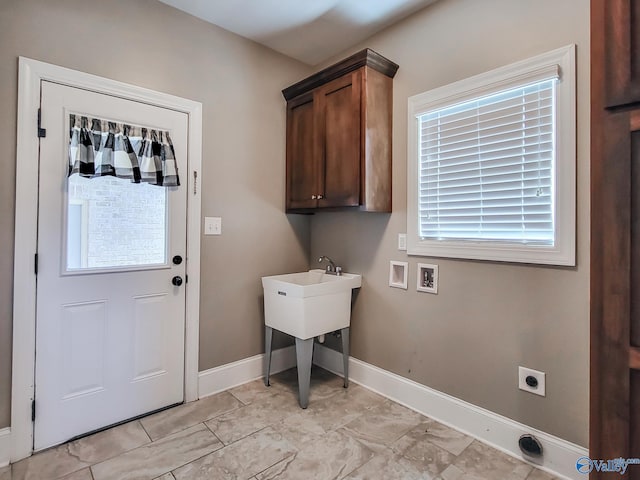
x=331 y=266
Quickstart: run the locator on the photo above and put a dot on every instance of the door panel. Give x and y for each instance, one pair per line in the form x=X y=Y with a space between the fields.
x=302 y=154
x=610 y=261
x=340 y=179
x=82 y=333
x=110 y=334
x=622 y=57
x=149 y=358
x=635 y=238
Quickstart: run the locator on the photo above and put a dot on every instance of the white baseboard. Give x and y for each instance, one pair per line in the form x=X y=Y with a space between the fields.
x=224 y=377
x=500 y=432
x=5 y=446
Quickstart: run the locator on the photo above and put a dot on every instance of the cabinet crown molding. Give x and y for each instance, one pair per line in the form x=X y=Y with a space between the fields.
x=363 y=58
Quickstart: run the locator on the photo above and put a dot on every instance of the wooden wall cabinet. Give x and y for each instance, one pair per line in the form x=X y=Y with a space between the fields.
x=339 y=136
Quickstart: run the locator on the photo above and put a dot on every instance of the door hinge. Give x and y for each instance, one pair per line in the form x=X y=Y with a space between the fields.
x=42 y=132
x=186 y=279
x=35 y=263
x=33 y=410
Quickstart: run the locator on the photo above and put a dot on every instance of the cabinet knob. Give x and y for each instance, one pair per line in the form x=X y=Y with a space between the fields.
x=313 y=197
x=319 y=197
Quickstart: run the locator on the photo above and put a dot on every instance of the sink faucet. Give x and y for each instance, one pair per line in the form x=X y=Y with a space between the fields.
x=331 y=266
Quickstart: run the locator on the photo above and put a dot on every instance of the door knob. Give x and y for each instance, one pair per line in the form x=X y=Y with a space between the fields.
x=177 y=281
x=177 y=260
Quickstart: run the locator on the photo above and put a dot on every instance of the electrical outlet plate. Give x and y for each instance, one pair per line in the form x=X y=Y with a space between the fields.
x=523 y=373
x=212 y=225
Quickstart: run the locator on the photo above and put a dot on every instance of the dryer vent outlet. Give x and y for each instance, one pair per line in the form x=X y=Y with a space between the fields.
x=530 y=446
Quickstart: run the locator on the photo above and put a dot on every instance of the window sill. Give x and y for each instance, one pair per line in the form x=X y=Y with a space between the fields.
x=560 y=255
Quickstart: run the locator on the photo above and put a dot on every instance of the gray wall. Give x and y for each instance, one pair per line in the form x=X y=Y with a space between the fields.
x=487 y=318
x=147 y=43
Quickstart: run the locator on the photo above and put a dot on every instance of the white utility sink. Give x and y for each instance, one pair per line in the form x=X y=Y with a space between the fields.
x=308 y=304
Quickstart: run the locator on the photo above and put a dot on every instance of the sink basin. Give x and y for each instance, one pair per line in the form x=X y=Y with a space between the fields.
x=308 y=304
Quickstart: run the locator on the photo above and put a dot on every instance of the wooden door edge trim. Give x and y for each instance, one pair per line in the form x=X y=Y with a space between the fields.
x=634 y=358
x=634 y=120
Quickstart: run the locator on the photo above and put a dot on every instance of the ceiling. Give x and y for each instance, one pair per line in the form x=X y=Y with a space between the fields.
x=308 y=30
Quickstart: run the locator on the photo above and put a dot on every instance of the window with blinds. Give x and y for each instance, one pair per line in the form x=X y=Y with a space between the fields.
x=491 y=165
x=486 y=167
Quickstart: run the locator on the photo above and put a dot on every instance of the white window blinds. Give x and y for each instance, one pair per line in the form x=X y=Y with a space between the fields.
x=486 y=166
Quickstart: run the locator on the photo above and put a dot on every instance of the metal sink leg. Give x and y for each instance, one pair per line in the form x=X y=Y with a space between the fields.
x=304 y=357
x=344 y=333
x=268 y=335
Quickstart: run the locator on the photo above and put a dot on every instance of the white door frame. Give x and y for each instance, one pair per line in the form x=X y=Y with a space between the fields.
x=31 y=73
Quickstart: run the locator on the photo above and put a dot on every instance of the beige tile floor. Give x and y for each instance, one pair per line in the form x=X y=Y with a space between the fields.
x=257 y=433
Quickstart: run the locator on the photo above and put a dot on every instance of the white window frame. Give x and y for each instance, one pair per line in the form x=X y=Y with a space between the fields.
x=562 y=252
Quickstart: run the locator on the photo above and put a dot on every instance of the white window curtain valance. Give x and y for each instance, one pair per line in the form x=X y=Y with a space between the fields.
x=102 y=148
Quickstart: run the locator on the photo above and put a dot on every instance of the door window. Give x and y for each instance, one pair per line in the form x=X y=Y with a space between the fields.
x=114 y=223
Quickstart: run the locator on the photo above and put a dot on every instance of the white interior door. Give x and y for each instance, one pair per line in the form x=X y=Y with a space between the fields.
x=110 y=323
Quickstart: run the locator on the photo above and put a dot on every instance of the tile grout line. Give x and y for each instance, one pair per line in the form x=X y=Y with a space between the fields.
x=374 y=453
x=195 y=459
x=243 y=404
x=90 y=466
x=452 y=462
x=217 y=450
x=228 y=411
x=256 y=404
x=187 y=426
x=214 y=434
x=67 y=446
x=151 y=440
x=279 y=461
x=246 y=436
x=360 y=466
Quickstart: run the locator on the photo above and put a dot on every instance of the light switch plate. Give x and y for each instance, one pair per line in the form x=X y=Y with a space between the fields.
x=402 y=241
x=213 y=225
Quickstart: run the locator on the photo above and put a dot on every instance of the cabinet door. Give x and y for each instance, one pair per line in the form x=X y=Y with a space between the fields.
x=339 y=103
x=621 y=51
x=615 y=290
x=303 y=153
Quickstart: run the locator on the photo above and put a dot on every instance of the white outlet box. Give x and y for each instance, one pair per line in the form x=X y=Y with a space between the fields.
x=427 y=278
x=398 y=272
x=539 y=389
x=402 y=241
x=213 y=225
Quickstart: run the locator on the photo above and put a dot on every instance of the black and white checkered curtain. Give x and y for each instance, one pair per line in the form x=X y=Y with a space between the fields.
x=99 y=147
